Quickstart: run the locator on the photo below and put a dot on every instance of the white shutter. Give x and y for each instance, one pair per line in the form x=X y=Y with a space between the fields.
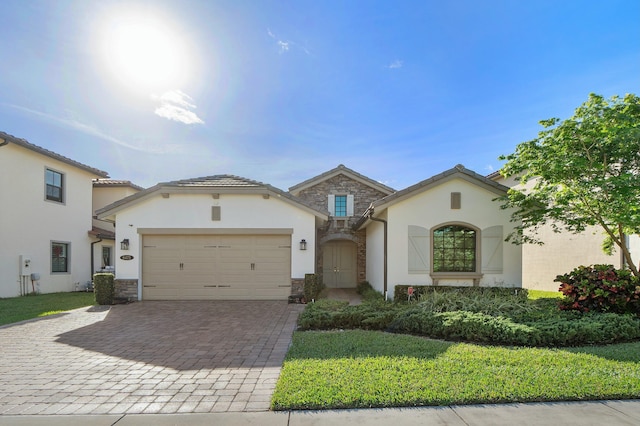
x=491 y=250
x=349 y=205
x=332 y=204
x=419 y=250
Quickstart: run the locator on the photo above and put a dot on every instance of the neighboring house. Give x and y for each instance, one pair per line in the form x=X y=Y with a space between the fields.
x=445 y=230
x=341 y=250
x=562 y=252
x=216 y=237
x=45 y=213
x=105 y=192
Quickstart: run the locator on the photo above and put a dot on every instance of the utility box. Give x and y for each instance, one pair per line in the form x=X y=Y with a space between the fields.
x=25 y=264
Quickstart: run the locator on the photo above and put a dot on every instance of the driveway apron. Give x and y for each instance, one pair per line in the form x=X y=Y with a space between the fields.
x=147 y=357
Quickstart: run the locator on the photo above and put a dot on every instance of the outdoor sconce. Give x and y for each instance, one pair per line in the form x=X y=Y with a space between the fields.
x=303 y=244
x=124 y=244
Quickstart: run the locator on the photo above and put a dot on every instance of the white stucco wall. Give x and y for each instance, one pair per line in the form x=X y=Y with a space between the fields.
x=28 y=222
x=102 y=197
x=193 y=211
x=431 y=208
x=375 y=256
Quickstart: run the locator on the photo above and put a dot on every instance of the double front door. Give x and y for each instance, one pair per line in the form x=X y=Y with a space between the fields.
x=339 y=264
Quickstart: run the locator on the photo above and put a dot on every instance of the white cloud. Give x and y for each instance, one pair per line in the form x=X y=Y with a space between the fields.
x=395 y=64
x=286 y=45
x=176 y=105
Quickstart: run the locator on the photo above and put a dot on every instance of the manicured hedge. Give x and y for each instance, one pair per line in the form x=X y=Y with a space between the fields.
x=104 y=288
x=474 y=315
x=401 y=291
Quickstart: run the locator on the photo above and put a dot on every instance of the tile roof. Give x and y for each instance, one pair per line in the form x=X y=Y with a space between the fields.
x=25 y=144
x=211 y=185
x=115 y=183
x=341 y=169
x=219 y=181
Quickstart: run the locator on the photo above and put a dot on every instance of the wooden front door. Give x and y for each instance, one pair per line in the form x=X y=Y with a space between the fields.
x=339 y=264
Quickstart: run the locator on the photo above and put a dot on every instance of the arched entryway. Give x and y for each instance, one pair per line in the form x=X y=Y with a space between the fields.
x=339 y=264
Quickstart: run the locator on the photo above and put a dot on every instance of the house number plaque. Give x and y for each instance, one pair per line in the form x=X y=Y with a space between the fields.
x=126 y=257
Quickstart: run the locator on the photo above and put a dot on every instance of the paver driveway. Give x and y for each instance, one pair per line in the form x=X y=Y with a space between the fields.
x=147 y=357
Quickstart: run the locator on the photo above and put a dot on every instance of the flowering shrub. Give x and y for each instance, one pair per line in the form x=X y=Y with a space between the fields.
x=600 y=288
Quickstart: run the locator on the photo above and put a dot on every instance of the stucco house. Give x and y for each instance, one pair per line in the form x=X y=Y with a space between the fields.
x=445 y=230
x=45 y=214
x=215 y=237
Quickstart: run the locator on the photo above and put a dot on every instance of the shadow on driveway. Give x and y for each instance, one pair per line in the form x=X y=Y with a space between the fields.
x=192 y=335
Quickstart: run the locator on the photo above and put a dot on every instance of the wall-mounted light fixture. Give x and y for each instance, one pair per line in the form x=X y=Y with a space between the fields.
x=303 y=244
x=124 y=244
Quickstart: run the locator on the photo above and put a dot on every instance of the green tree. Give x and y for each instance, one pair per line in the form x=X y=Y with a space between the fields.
x=582 y=171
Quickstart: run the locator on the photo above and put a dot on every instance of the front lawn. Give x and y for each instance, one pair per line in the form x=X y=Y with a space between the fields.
x=357 y=368
x=348 y=359
x=16 y=309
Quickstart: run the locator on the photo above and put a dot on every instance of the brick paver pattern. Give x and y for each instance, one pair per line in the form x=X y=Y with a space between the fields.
x=147 y=357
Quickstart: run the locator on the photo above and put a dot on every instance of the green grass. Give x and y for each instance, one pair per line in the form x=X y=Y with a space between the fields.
x=33 y=306
x=349 y=369
x=541 y=294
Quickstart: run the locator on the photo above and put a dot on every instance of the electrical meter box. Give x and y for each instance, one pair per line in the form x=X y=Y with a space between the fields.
x=25 y=264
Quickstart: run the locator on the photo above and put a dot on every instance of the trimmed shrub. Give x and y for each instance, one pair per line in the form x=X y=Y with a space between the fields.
x=333 y=314
x=313 y=286
x=104 y=288
x=556 y=331
x=600 y=288
x=367 y=292
x=419 y=291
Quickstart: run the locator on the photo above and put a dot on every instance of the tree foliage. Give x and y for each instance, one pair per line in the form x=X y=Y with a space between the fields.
x=580 y=172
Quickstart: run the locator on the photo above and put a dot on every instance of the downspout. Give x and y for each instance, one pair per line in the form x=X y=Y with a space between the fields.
x=92 y=244
x=384 y=222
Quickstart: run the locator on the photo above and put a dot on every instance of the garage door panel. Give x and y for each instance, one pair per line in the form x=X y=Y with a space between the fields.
x=185 y=267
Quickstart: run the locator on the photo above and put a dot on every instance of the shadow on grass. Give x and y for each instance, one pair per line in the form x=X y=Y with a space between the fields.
x=623 y=352
x=361 y=343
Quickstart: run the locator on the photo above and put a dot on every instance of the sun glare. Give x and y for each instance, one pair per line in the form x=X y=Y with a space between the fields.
x=145 y=54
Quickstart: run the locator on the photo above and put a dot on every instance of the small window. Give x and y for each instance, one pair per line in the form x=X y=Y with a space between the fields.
x=54 y=185
x=59 y=257
x=454 y=249
x=341 y=205
x=106 y=256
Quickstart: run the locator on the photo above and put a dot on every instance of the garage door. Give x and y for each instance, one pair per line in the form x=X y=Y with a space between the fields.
x=183 y=267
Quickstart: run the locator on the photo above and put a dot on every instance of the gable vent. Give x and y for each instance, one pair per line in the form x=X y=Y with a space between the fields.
x=456 y=200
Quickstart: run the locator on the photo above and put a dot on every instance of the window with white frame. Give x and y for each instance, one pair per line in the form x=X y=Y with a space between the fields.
x=54 y=185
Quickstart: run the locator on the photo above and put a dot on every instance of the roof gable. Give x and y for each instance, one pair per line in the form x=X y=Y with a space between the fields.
x=457 y=172
x=7 y=138
x=341 y=169
x=214 y=185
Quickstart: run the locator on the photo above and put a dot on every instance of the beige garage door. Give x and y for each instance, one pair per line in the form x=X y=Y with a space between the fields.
x=183 y=267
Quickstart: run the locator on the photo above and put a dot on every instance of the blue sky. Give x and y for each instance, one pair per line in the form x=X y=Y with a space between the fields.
x=280 y=91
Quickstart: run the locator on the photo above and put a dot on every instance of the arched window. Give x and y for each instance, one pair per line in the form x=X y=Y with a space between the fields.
x=454 y=249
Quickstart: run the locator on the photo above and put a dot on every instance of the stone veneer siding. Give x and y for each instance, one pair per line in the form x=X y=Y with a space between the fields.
x=126 y=289
x=341 y=228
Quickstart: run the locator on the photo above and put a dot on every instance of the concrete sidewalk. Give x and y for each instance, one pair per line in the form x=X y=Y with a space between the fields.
x=610 y=413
